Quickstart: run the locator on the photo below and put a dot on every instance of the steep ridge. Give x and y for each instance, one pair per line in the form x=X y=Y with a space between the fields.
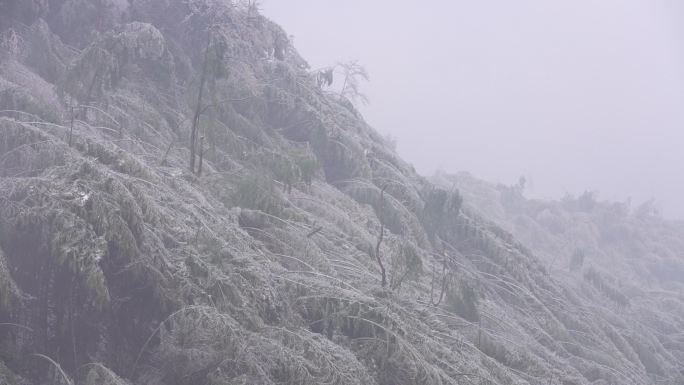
x=263 y=264
x=608 y=252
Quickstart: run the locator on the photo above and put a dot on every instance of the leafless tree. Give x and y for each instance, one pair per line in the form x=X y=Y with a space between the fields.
x=353 y=73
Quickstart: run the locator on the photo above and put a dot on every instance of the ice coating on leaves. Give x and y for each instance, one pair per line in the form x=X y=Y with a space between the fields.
x=121 y=266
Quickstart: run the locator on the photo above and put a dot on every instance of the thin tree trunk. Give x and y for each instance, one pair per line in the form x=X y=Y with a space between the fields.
x=201 y=156
x=198 y=108
x=382 y=233
x=96 y=76
x=71 y=129
x=444 y=284
x=166 y=154
x=479 y=334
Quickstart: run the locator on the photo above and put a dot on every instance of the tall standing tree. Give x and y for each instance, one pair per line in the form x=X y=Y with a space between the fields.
x=198 y=108
x=213 y=69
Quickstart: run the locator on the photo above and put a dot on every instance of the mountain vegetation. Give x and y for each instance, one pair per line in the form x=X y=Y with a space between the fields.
x=181 y=202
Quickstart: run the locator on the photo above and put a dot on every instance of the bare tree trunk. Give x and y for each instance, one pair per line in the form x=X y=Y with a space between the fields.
x=71 y=129
x=479 y=334
x=444 y=284
x=94 y=80
x=166 y=154
x=380 y=236
x=198 y=108
x=201 y=156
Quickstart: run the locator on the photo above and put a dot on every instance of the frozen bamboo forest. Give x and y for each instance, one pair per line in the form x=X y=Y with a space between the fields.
x=184 y=200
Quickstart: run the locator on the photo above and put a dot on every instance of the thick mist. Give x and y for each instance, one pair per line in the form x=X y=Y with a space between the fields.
x=183 y=201
x=575 y=96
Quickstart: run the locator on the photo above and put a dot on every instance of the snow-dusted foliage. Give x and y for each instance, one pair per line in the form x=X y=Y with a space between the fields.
x=624 y=265
x=118 y=265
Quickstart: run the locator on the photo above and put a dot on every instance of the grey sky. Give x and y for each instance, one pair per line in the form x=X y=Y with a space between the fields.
x=575 y=95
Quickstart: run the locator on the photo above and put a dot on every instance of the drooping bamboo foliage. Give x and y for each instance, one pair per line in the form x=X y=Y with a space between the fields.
x=122 y=267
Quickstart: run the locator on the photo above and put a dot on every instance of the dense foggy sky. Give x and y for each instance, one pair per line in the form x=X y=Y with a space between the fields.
x=575 y=95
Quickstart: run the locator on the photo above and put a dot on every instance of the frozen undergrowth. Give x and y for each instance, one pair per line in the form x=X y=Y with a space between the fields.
x=118 y=264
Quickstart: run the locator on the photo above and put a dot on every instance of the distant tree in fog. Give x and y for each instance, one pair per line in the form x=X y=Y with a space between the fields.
x=353 y=73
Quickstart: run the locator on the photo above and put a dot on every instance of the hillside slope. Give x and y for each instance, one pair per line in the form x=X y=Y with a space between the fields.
x=120 y=263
